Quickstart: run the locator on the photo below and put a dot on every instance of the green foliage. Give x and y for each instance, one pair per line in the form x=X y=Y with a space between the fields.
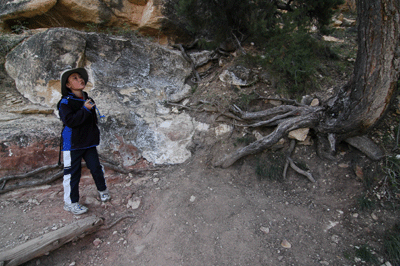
x=365 y=203
x=295 y=58
x=245 y=100
x=283 y=31
x=271 y=166
x=391 y=170
x=364 y=252
x=20 y=27
x=218 y=20
x=392 y=244
x=92 y=27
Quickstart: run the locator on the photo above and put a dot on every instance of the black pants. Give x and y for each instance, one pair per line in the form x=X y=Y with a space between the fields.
x=72 y=172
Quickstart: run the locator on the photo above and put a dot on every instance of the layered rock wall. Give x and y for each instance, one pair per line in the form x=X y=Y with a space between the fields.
x=144 y=16
x=130 y=79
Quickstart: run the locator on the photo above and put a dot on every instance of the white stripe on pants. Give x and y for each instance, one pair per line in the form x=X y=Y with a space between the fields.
x=67 y=178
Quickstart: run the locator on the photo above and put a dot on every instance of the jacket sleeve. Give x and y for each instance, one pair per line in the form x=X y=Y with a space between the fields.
x=73 y=119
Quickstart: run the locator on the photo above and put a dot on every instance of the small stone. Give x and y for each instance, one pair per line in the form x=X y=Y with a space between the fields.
x=38 y=262
x=155 y=180
x=314 y=102
x=257 y=135
x=134 y=203
x=192 y=198
x=343 y=165
x=374 y=217
x=359 y=172
x=355 y=215
x=275 y=102
x=286 y=244
x=299 y=134
x=89 y=200
x=264 y=229
x=335 y=239
x=97 y=242
x=324 y=262
x=72 y=263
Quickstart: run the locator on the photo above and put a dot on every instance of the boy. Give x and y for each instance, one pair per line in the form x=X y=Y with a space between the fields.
x=80 y=137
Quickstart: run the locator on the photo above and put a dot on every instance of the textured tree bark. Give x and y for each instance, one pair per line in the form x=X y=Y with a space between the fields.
x=364 y=100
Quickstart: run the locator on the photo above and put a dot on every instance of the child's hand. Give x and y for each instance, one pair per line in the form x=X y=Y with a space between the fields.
x=89 y=104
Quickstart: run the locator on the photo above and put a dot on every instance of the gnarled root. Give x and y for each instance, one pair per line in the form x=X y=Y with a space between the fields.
x=290 y=162
x=284 y=127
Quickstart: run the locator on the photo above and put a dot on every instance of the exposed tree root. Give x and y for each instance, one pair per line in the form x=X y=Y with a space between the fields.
x=32 y=173
x=31 y=183
x=55 y=176
x=290 y=162
x=291 y=118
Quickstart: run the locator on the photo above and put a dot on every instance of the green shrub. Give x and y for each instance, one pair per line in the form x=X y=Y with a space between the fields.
x=365 y=203
x=271 y=166
x=391 y=170
x=365 y=253
x=217 y=21
x=245 y=99
x=392 y=244
x=295 y=58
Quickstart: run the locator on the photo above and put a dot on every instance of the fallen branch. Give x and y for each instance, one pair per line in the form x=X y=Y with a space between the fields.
x=50 y=241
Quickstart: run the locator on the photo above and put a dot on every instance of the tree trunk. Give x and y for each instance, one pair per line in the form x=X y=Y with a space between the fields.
x=364 y=100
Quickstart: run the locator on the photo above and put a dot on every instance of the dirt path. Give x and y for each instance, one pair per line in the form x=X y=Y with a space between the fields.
x=193 y=214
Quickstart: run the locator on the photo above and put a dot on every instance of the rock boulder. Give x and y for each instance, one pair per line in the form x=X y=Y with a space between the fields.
x=130 y=79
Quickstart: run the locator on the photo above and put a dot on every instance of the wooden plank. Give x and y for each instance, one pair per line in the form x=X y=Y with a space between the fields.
x=50 y=241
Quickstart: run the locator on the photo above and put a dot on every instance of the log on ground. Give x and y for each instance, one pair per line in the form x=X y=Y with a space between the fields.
x=50 y=241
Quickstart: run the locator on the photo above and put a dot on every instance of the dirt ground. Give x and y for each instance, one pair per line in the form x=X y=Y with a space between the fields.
x=194 y=214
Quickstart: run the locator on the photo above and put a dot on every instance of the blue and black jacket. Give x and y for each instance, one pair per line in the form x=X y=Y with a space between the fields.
x=80 y=124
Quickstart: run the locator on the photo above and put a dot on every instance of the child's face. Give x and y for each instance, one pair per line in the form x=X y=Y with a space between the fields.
x=75 y=82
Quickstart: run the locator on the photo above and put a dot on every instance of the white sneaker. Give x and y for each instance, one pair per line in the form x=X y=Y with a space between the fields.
x=75 y=208
x=104 y=195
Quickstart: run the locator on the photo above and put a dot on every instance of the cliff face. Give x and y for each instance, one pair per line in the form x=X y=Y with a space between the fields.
x=130 y=79
x=144 y=16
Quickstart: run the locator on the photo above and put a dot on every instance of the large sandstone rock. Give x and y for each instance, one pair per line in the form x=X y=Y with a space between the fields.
x=130 y=81
x=24 y=9
x=142 y=15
